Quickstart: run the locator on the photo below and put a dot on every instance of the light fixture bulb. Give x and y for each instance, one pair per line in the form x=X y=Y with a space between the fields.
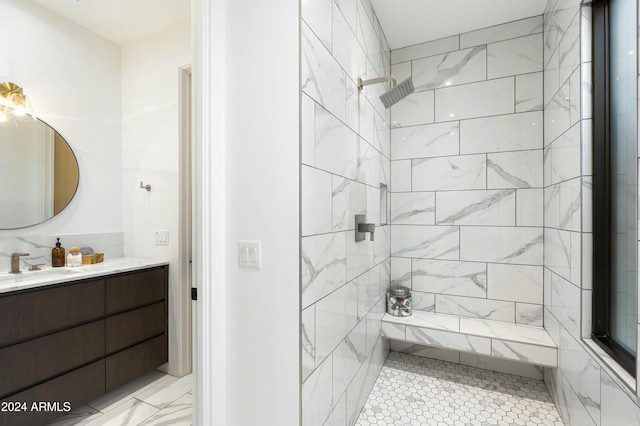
x=7 y=119
x=22 y=107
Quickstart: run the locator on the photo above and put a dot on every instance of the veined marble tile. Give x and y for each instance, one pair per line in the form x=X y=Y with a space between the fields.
x=450 y=69
x=400 y=271
x=366 y=114
x=359 y=389
x=518 y=283
x=361 y=256
x=430 y=48
x=506 y=331
x=529 y=92
x=472 y=307
x=427 y=320
x=431 y=140
x=563 y=157
x=338 y=416
x=423 y=301
x=324 y=265
x=529 y=314
x=501 y=245
x=369 y=286
x=587 y=260
x=616 y=406
x=308 y=341
x=449 y=340
x=401 y=71
x=346 y=50
x=368 y=164
x=587 y=147
x=552 y=206
x=336 y=315
x=515 y=56
x=435 y=242
x=551 y=79
x=526 y=353
x=336 y=146
x=576 y=258
x=571 y=204
x=117 y=397
x=449 y=277
x=472 y=100
x=393 y=331
x=78 y=416
x=322 y=78
x=179 y=413
x=551 y=324
x=565 y=304
x=385 y=172
x=374 y=323
x=348 y=357
x=316 y=201
x=587 y=90
x=401 y=175
x=381 y=135
x=348 y=199
x=512 y=132
x=132 y=411
x=575 y=91
x=425 y=351
x=308 y=118
x=557 y=116
x=317 y=14
x=413 y=208
x=367 y=36
x=446 y=173
x=518 y=169
x=585 y=35
x=496 y=33
x=569 y=49
x=529 y=207
x=382 y=245
x=166 y=392
x=581 y=371
x=352 y=105
x=317 y=398
x=496 y=208
x=502 y=365
x=416 y=109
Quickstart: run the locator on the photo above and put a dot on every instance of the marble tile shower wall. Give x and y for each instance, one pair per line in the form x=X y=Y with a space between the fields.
x=467 y=176
x=345 y=171
x=585 y=389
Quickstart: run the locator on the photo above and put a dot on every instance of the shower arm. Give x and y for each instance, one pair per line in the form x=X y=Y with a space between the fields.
x=362 y=83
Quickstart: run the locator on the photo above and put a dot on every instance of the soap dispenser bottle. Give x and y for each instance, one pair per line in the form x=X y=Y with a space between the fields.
x=57 y=255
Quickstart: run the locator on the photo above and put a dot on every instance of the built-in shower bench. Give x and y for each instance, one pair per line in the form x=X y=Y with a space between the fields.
x=528 y=344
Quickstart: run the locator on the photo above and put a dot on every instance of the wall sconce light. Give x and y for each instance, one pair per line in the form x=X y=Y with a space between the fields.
x=14 y=104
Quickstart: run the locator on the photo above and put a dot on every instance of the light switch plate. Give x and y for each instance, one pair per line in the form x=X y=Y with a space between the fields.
x=249 y=255
x=162 y=237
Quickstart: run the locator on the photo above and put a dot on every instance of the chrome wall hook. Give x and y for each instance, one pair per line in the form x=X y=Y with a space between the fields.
x=147 y=186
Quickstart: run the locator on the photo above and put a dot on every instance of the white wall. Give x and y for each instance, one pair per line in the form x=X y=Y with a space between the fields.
x=73 y=78
x=262 y=164
x=151 y=153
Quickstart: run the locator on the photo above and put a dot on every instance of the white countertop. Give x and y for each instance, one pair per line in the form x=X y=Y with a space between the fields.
x=48 y=275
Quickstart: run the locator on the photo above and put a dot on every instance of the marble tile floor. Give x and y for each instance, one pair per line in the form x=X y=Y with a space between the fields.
x=153 y=399
x=412 y=390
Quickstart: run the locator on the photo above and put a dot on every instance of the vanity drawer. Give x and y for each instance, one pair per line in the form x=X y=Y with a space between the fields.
x=35 y=313
x=77 y=387
x=125 y=366
x=133 y=327
x=129 y=291
x=36 y=360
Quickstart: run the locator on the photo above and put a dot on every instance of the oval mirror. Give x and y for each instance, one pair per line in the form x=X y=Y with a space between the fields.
x=38 y=174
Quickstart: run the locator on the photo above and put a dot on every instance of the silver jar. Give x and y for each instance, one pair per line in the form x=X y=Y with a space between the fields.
x=399 y=301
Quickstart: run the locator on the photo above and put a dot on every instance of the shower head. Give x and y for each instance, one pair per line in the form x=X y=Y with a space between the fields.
x=395 y=94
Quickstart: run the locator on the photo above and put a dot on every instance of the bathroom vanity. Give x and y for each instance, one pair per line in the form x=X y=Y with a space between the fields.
x=70 y=335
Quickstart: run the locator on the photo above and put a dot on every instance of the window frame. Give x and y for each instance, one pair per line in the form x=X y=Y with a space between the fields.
x=602 y=287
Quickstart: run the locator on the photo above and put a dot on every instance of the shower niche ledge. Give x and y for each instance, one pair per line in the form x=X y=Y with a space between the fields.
x=523 y=343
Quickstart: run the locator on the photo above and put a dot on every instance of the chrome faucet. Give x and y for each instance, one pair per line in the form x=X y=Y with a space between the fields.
x=15 y=262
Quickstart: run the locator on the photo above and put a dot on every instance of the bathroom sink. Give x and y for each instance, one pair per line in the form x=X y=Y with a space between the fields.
x=44 y=273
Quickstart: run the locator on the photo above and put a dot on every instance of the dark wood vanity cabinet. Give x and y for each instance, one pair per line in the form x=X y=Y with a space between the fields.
x=66 y=344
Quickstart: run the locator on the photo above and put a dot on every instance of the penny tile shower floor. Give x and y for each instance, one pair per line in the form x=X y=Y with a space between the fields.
x=413 y=390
